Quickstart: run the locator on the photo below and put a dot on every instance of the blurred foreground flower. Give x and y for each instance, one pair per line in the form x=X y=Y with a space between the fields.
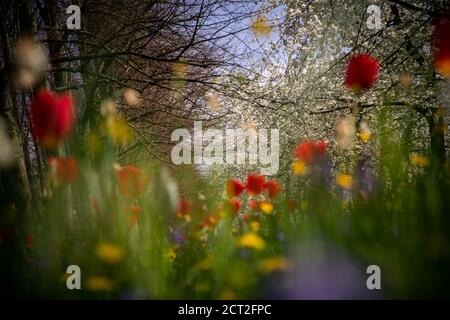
x=135 y=212
x=99 y=283
x=266 y=207
x=311 y=151
x=64 y=170
x=419 y=160
x=7 y=157
x=274 y=264
x=300 y=168
x=255 y=184
x=273 y=188
x=441 y=46
x=364 y=132
x=31 y=62
x=345 y=129
x=52 y=118
x=361 y=73
x=109 y=253
x=132 y=181
x=345 y=181
x=131 y=97
x=234 y=187
x=235 y=205
x=118 y=130
x=251 y=240
x=184 y=209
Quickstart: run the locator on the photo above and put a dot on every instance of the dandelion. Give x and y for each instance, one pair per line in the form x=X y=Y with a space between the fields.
x=441 y=46
x=109 y=253
x=274 y=264
x=99 y=283
x=132 y=181
x=251 y=240
x=266 y=207
x=362 y=71
x=345 y=181
x=261 y=26
x=419 y=160
x=234 y=187
x=64 y=170
x=300 y=168
x=52 y=118
x=255 y=184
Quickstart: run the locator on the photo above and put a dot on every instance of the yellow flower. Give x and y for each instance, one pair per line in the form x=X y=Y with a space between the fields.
x=275 y=264
x=98 y=283
x=344 y=180
x=419 y=160
x=254 y=225
x=364 y=133
x=118 y=130
x=171 y=254
x=109 y=253
x=261 y=26
x=251 y=240
x=299 y=168
x=266 y=207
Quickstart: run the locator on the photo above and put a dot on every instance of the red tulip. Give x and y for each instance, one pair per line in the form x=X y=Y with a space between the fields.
x=235 y=205
x=362 y=71
x=132 y=181
x=311 y=151
x=184 y=208
x=253 y=204
x=234 y=187
x=441 y=46
x=52 y=118
x=255 y=184
x=273 y=188
x=64 y=170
